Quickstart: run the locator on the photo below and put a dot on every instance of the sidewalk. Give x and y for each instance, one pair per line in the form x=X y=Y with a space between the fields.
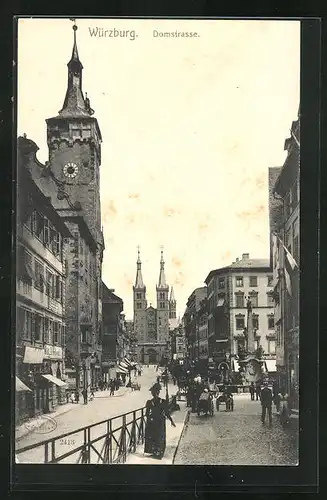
x=173 y=436
x=31 y=425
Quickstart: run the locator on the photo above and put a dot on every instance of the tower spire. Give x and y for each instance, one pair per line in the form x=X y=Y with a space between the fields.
x=162 y=278
x=139 y=278
x=172 y=295
x=74 y=104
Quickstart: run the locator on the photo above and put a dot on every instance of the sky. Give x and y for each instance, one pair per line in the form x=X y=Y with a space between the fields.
x=190 y=127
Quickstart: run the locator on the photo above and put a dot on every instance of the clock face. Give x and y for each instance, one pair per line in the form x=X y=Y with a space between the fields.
x=70 y=170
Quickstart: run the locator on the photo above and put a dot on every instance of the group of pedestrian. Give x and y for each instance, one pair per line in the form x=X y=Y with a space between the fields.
x=268 y=397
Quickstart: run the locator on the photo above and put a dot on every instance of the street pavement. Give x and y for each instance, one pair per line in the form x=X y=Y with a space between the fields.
x=80 y=415
x=236 y=438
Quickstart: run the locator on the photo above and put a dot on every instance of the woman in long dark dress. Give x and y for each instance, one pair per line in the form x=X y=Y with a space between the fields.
x=155 y=428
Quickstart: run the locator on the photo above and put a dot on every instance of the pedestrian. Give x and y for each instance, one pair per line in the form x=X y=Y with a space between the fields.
x=276 y=395
x=92 y=395
x=84 y=394
x=155 y=429
x=266 y=397
x=283 y=407
x=257 y=390
x=77 y=397
x=252 y=391
x=112 y=387
x=67 y=396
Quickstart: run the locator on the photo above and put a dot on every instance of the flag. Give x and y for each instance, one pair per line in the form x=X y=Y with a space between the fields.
x=291 y=259
x=288 y=281
x=276 y=264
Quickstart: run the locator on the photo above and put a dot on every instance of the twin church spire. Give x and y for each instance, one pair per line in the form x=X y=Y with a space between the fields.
x=162 y=283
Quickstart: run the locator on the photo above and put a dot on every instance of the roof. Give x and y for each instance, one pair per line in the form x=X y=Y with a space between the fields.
x=241 y=265
x=109 y=296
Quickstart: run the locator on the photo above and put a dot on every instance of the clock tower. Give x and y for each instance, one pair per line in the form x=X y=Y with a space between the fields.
x=74 y=141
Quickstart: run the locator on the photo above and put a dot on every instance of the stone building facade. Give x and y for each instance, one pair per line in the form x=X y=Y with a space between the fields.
x=112 y=309
x=285 y=251
x=71 y=178
x=40 y=290
x=152 y=325
x=228 y=291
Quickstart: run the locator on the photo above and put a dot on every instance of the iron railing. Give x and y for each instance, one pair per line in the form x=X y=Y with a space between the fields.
x=107 y=442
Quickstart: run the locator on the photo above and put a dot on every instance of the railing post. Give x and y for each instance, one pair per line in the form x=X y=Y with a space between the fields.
x=88 y=445
x=53 y=451
x=124 y=438
x=46 y=453
x=133 y=433
x=110 y=441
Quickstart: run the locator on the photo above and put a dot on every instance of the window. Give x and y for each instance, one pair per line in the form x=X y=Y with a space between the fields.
x=58 y=288
x=46 y=330
x=255 y=322
x=39 y=276
x=240 y=323
x=24 y=324
x=253 y=280
x=271 y=322
x=271 y=347
x=270 y=280
x=270 y=300
x=239 y=300
x=84 y=334
x=239 y=280
x=49 y=284
x=55 y=332
x=162 y=296
x=254 y=299
x=38 y=327
x=38 y=223
x=46 y=231
x=138 y=305
x=138 y=295
x=56 y=242
x=221 y=283
x=50 y=332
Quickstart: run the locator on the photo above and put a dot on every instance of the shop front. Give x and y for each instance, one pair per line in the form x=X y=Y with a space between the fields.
x=53 y=367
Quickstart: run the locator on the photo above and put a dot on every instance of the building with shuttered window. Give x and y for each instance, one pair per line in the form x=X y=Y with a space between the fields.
x=40 y=287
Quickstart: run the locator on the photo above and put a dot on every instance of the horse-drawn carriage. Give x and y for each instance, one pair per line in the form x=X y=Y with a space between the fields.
x=205 y=404
x=225 y=399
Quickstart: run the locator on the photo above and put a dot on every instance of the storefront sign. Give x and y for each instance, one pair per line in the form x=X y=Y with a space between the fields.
x=52 y=352
x=33 y=355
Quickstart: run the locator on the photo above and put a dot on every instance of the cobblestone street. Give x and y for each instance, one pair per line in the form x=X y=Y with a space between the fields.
x=236 y=438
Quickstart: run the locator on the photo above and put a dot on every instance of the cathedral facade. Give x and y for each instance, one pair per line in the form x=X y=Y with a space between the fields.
x=152 y=325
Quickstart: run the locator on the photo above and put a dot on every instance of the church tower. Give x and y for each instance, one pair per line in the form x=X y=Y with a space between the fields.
x=162 y=304
x=139 y=302
x=74 y=142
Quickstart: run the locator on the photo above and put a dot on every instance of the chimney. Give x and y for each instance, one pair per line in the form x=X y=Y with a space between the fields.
x=245 y=256
x=237 y=259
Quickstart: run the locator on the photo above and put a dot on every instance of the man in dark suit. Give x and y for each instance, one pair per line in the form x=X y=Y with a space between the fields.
x=266 y=397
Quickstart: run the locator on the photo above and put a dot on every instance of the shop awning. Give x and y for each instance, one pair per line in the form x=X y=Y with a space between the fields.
x=120 y=369
x=55 y=380
x=21 y=387
x=270 y=365
x=33 y=355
